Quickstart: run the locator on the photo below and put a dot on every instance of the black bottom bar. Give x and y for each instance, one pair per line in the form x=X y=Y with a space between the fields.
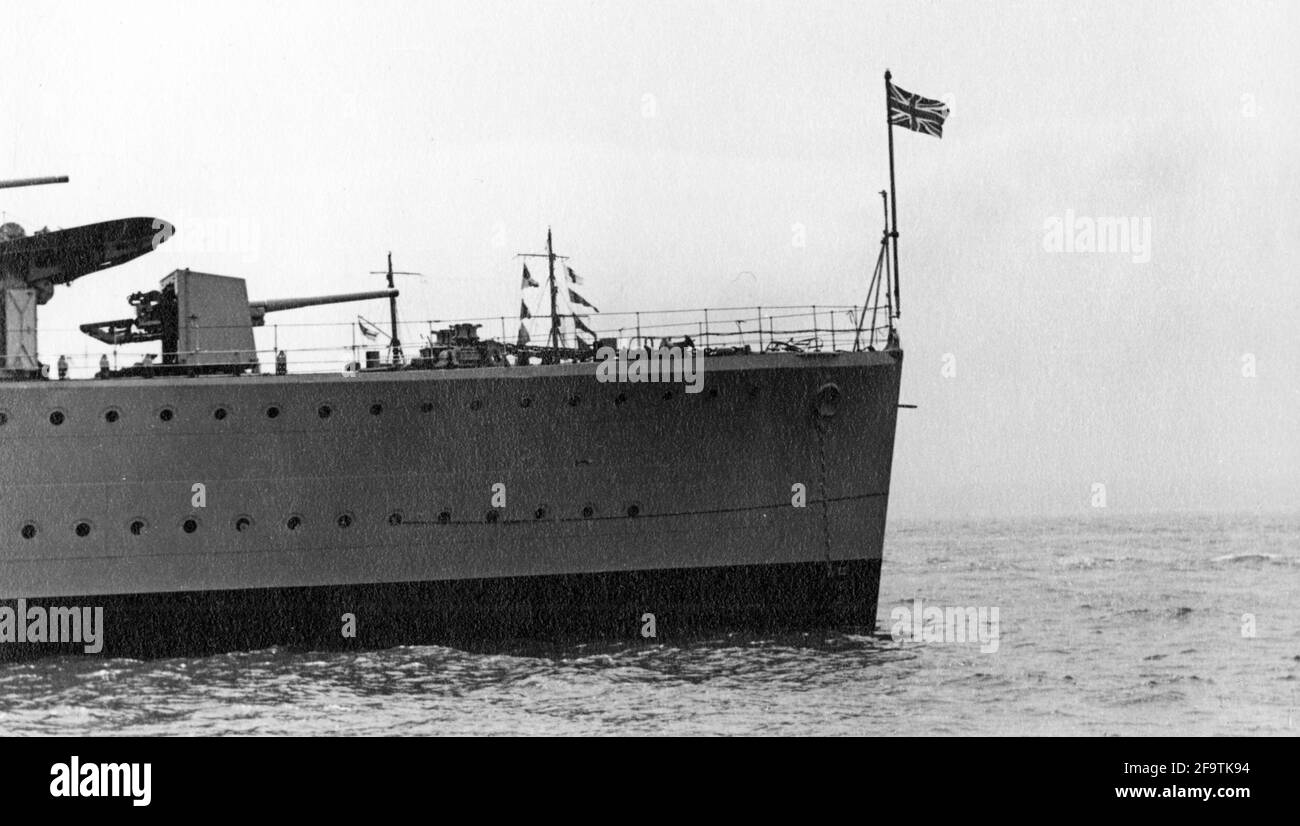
x=332 y=777
x=468 y=614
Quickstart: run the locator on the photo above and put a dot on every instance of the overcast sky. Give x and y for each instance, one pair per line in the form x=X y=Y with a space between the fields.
x=673 y=146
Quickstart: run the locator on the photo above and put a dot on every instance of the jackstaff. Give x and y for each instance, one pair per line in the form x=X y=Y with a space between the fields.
x=920 y=115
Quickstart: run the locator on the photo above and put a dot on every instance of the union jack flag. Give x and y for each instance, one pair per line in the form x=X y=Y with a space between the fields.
x=915 y=112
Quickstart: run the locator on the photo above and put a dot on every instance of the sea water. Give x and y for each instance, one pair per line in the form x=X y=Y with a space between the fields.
x=1153 y=624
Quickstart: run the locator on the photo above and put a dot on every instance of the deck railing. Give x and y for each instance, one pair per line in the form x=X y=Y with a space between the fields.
x=332 y=347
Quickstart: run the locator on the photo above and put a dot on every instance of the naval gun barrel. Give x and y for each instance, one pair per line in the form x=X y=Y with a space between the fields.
x=55 y=179
x=259 y=309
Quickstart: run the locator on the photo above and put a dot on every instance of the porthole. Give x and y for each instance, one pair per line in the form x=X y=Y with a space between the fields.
x=491 y=516
x=220 y=414
x=344 y=520
x=324 y=411
x=111 y=416
x=426 y=407
x=574 y=401
x=476 y=405
x=28 y=531
x=634 y=510
x=376 y=409
x=57 y=418
x=444 y=517
x=82 y=529
x=243 y=523
x=395 y=518
x=525 y=402
x=272 y=412
x=166 y=414
x=542 y=512
x=588 y=511
x=136 y=527
x=190 y=525
x=294 y=522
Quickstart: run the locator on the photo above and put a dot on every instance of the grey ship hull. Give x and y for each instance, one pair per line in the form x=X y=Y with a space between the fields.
x=621 y=500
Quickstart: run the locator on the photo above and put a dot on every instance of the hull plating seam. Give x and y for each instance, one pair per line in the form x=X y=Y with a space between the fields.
x=455 y=523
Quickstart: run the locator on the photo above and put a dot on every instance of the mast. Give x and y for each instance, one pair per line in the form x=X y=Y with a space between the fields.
x=555 y=290
x=555 y=338
x=395 y=346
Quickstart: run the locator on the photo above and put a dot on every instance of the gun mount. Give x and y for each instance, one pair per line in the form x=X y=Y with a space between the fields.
x=31 y=266
x=258 y=309
x=205 y=321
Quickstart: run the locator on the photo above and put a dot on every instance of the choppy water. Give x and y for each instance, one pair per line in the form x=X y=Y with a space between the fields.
x=1112 y=625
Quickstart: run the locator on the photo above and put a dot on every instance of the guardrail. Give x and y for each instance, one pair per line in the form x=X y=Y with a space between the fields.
x=329 y=347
